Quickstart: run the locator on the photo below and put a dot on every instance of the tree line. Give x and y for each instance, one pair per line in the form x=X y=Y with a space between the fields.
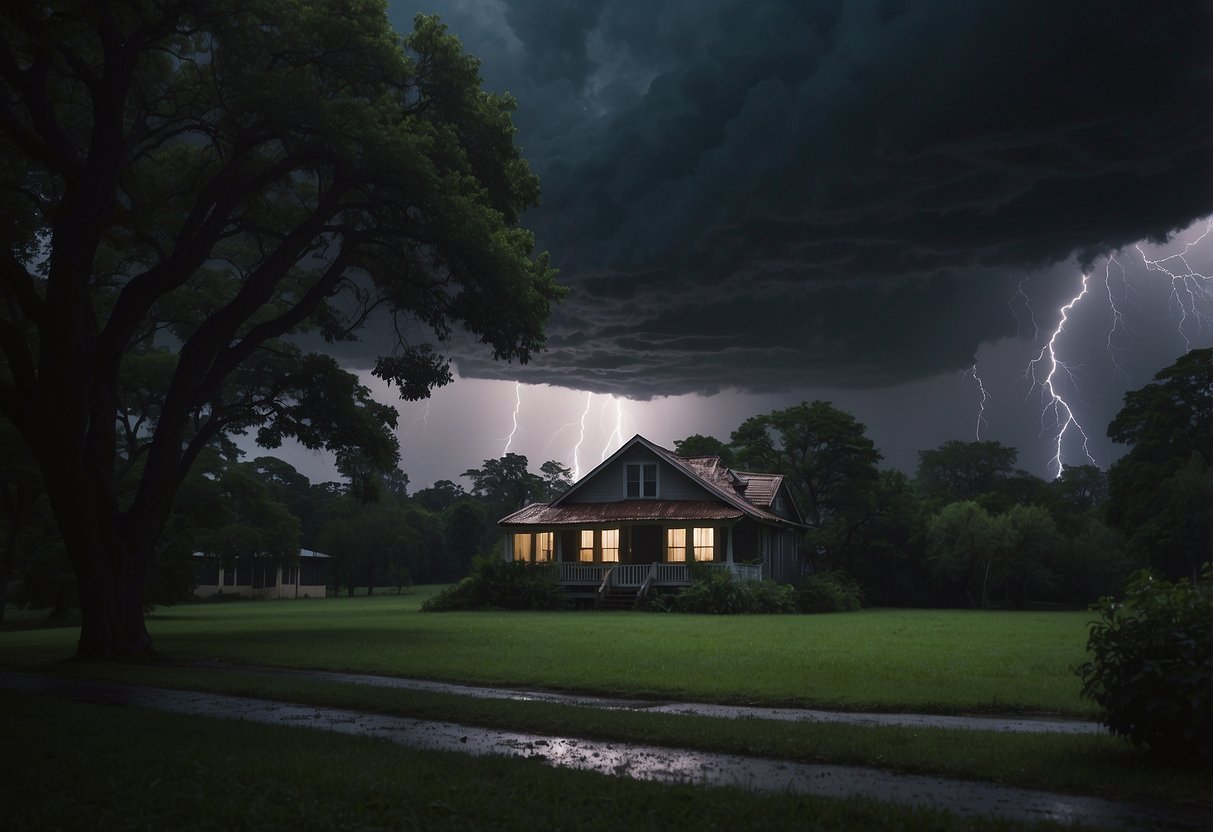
x=969 y=529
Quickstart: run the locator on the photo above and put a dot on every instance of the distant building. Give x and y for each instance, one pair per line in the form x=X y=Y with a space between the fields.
x=639 y=519
x=261 y=577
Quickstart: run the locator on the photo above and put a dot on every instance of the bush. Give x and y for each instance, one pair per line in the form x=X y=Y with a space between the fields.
x=1151 y=667
x=501 y=585
x=716 y=592
x=828 y=592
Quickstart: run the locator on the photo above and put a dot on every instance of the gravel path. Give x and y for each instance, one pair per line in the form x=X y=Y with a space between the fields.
x=982 y=800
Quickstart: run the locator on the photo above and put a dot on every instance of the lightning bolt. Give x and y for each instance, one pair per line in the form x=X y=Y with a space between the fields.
x=1118 y=318
x=981 y=405
x=1063 y=415
x=1187 y=284
x=589 y=397
x=1019 y=293
x=615 y=437
x=509 y=440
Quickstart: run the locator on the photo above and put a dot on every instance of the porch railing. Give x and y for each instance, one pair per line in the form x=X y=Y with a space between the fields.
x=643 y=574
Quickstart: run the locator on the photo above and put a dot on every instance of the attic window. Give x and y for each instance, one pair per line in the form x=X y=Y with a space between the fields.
x=779 y=503
x=642 y=480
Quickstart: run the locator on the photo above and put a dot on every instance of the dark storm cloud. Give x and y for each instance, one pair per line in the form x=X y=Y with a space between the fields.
x=774 y=195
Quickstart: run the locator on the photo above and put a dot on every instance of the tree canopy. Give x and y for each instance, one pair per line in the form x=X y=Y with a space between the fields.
x=1161 y=491
x=185 y=184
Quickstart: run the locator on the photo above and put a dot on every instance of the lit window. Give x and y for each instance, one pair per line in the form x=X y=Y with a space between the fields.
x=522 y=547
x=676 y=545
x=610 y=545
x=642 y=480
x=543 y=546
x=586 y=553
x=705 y=548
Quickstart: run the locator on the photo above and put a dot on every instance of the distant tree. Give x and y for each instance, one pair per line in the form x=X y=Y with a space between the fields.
x=830 y=466
x=957 y=471
x=556 y=480
x=963 y=543
x=22 y=507
x=823 y=451
x=465 y=527
x=439 y=496
x=191 y=182
x=700 y=445
x=1081 y=488
x=505 y=483
x=1161 y=491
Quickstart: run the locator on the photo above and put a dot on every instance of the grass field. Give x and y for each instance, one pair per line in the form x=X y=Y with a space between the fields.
x=921 y=660
x=126 y=769
x=944 y=661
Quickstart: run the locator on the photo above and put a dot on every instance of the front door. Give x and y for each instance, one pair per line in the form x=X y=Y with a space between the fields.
x=646 y=544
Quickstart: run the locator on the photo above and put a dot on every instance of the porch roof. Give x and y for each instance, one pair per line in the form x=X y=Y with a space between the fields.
x=581 y=514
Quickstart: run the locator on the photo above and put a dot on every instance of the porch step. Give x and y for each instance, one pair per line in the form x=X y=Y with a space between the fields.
x=618 y=599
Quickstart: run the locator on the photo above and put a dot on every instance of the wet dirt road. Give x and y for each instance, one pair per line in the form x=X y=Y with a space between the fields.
x=1027 y=725
x=637 y=761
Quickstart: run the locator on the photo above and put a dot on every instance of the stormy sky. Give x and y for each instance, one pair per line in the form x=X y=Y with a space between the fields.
x=754 y=203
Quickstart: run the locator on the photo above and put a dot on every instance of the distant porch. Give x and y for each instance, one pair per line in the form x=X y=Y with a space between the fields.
x=618 y=585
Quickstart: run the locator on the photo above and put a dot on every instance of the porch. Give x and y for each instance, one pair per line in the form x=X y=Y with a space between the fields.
x=620 y=584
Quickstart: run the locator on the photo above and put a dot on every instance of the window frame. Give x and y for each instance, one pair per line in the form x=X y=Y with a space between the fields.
x=604 y=549
x=641 y=481
x=697 y=546
x=675 y=552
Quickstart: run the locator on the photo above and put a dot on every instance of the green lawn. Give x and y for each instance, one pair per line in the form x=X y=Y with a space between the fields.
x=889 y=660
x=122 y=769
x=922 y=660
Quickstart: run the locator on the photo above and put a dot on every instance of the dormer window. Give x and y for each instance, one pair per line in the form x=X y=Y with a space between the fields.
x=641 y=480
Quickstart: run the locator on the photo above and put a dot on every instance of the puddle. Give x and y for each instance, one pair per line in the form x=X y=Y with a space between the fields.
x=640 y=762
x=1026 y=725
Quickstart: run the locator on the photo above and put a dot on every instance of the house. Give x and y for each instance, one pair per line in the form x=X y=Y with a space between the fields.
x=637 y=521
x=261 y=577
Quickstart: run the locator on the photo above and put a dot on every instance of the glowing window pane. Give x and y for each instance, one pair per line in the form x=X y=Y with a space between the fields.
x=586 y=552
x=543 y=546
x=676 y=545
x=522 y=547
x=705 y=544
x=610 y=545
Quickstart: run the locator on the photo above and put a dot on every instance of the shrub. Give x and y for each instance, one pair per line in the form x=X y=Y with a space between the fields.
x=716 y=592
x=711 y=591
x=501 y=585
x=1151 y=666
x=828 y=592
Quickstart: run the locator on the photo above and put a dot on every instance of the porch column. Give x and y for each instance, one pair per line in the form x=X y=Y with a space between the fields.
x=728 y=544
x=507 y=546
x=557 y=555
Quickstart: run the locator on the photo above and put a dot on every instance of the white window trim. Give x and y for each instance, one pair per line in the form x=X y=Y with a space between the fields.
x=656 y=480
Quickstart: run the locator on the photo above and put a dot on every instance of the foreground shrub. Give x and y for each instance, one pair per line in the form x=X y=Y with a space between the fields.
x=501 y=585
x=1151 y=667
x=828 y=592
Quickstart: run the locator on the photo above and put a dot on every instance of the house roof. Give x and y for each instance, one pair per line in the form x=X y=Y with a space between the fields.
x=580 y=514
x=742 y=494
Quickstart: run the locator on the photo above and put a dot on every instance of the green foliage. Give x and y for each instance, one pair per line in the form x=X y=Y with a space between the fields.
x=717 y=592
x=957 y=471
x=254 y=170
x=497 y=584
x=1161 y=491
x=699 y=445
x=1151 y=665
x=828 y=592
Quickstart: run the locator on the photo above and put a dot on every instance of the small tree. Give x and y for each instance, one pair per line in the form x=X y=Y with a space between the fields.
x=1151 y=667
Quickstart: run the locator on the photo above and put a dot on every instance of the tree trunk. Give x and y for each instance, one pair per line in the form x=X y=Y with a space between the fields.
x=111 y=586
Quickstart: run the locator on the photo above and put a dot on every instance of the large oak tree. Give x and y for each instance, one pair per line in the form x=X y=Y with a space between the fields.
x=185 y=183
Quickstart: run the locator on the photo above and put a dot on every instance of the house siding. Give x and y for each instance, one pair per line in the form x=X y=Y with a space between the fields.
x=609 y=484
